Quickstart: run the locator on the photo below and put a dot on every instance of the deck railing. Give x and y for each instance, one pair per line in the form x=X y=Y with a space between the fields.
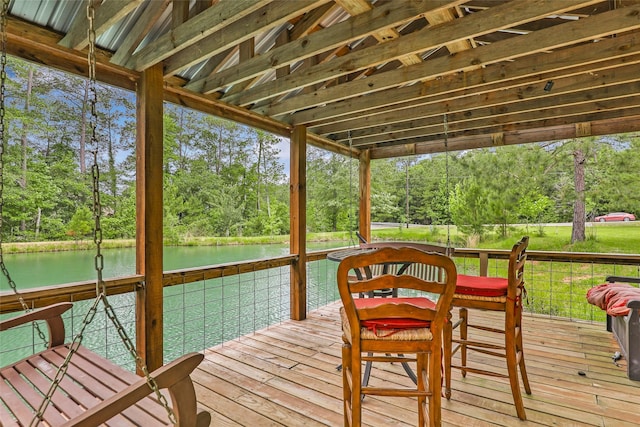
x=210 y=305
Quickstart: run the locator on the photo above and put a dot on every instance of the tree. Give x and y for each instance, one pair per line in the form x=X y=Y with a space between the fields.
x=579 y=216
x=468 y=203
x=80 y=225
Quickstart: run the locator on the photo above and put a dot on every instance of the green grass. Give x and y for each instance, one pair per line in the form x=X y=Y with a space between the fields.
x=554 y=288
x=600 y=238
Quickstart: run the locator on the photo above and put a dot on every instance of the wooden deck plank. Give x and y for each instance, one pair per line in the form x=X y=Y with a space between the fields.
x=285 y=375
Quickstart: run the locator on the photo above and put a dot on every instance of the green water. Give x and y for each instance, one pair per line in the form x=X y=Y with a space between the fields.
x=196 y=316
x=54 y=268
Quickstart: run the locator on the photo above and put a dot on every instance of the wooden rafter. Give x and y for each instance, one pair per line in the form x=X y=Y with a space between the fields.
x=418 y=41
x=385 y=71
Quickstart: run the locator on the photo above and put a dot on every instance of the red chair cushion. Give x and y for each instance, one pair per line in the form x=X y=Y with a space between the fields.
x=394 y=323
x=481 y=286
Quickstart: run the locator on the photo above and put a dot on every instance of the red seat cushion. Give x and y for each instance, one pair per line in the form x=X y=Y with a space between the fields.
x=481 y=286
x=394 y=323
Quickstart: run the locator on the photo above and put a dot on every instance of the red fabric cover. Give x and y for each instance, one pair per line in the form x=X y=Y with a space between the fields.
x=481 y=286
x=613 y=297
x=394 y=323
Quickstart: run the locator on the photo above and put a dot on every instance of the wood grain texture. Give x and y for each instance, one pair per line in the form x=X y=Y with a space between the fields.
x=289 y=370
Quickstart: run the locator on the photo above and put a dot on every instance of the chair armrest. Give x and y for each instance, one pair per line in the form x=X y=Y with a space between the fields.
x=52 y=314
x=173 y=376
x=622 y=279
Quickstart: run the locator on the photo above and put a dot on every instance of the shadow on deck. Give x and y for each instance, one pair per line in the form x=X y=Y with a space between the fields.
x=286 y=375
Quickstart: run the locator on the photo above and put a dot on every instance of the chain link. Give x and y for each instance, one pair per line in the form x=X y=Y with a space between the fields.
x=3 y=79
x=352 y=222
x=446 y=165
x=101 y=293
x=97 y=211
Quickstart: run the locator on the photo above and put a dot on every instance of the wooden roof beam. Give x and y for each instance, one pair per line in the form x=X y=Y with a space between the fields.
x=106 y=14
x=318 y=42
x=269 y=16
x=502 y=16
x=612 y=52
x=624 y=96
x=40 y=46
x=150 y=15
x=599 y=26
x=358 y=7
x=201 y=26
x=463 y=101
x=606 y=123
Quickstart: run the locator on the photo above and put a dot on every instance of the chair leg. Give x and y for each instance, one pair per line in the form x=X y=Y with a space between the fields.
x=464 y=321
x=448 y=345
x=435 y=386
x=356 y=387
x=347 y=379
x=421 y=385
x=512 y=369
x=520 y=352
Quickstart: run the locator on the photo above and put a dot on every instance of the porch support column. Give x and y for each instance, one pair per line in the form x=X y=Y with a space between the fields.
x=149 y=301
x=298 y=221
x=364 y=216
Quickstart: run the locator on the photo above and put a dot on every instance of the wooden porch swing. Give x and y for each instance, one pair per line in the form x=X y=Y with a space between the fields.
x=55 y=389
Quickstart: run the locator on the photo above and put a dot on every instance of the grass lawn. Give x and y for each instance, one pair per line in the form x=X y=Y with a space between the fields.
x=602 y=238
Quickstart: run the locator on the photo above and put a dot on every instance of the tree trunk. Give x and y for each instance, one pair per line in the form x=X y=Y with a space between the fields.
x=25 y=131
x=578 y=231
x=266 y=191
x=113 y=183
x=83 y=129
x=406 y=182
x=38 y=223
x=260 y=148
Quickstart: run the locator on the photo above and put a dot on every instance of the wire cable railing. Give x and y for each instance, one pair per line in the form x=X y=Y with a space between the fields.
x=208 y=306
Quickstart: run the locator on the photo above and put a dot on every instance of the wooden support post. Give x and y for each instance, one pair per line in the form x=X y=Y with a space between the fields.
x=298 y=221
x=484 y=264
x=364 y=216
x=149 y=300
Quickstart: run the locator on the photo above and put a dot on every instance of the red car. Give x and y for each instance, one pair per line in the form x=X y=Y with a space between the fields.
x=616 y=216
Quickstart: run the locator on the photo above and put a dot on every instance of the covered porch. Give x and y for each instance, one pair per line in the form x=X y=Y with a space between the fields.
x=375 y=81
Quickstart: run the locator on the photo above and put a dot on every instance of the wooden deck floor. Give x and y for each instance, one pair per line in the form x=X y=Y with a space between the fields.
x=286 y=376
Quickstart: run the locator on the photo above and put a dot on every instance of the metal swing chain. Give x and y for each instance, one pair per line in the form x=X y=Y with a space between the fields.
x=351 y=207
x=97 y=237
x=101 y=294
x=446 y=165
x=3 y=79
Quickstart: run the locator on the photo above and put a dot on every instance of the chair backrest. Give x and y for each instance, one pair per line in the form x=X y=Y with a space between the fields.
x=418 y=270
x=442 y=284
x=517 y=259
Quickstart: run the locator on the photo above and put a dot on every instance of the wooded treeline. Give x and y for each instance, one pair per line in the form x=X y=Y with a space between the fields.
x=225 y=179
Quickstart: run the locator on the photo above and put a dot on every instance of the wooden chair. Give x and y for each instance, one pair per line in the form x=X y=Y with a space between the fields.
x=94 y=390
x=397 y=325
x=496 y=294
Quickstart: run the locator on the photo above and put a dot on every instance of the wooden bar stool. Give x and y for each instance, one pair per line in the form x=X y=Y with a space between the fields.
x=496 y=294
x=386 y=329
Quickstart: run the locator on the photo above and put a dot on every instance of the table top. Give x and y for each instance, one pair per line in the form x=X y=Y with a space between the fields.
x=341 y=254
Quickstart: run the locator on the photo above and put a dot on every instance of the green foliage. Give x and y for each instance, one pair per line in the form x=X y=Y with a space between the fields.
x=224 y=179
x=81 y=223
x=468 y=207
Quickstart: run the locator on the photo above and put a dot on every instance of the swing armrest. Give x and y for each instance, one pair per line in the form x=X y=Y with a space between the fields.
x=52 y=314
x=174 y=377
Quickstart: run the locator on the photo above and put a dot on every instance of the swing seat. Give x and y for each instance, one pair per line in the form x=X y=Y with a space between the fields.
x=94 y=390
